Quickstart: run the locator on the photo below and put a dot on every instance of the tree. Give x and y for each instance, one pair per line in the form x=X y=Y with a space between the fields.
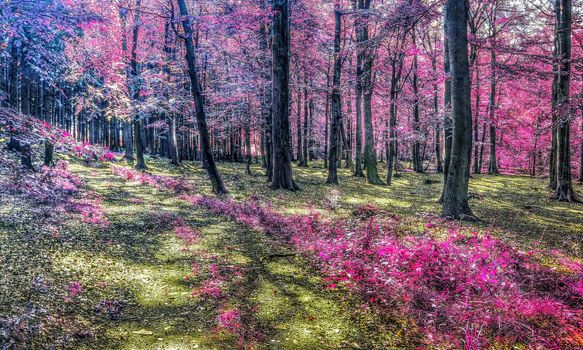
x=370 y=154
x=336 y=102
x=135 y=90
x=282 y=168
x=196 y=89
x=455 y=194
x=561 y=89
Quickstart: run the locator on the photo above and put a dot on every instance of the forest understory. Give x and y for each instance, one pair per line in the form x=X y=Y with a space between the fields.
x=156 y=271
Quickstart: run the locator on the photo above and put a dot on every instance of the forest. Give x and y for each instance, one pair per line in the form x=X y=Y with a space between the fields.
x=291 y=174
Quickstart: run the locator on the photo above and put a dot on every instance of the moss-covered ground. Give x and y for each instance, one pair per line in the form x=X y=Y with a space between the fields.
x=139 y=263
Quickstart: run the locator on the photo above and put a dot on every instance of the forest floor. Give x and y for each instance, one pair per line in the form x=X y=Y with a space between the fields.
x=134 y=278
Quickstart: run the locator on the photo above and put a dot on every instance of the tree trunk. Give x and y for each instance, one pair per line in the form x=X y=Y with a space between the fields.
x=370 y=155
x=49 y=153
x=307 y=118
x=439 y=160
x=455 y=194
x=282 y=168
x=300 y=150
x=477 y=166
x=172 y=141
x=564 y=190
x=581 y=150
x=211 y=167
x=336 y=103
x=135 y=94
x=447 y=117
x=417 y=161
x=493 y=167
x=358 y=105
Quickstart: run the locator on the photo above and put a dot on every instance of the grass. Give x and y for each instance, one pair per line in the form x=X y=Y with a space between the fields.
x=139 y=260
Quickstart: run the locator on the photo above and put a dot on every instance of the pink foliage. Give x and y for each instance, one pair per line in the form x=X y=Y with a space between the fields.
x=177 y=185
x=469 y=287
x=231 y=320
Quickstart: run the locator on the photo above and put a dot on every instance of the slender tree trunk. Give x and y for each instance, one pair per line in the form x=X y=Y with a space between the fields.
x=282 y=169
x=455 y=194
x=300 y=150
x=447 y=117
x=172 y=141
x=358 y=105
x=581 y=150
x=248 y=143
x=493 y=167
x=126 y=129
x=477 y=165
x=564 y=190
x=266 y=103
x=336 y=103
x=211 y=167
x=307 y=139
x=439 y=159
x=554 y=120
x=417 y=162
x=137 y=123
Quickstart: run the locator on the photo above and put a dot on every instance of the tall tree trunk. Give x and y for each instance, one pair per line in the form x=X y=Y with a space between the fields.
x=455 y=194
x=135 y=94
x=564 y=190
x=370 y=155
x=417 y=161
x=248 y=142
x=554 y=120
x=282 y=168
x=438 y=157
x=336 y=103
x=211 y=167
x=307 y=139
x=581 y=150
x=447 y=113
x=172 y=141
x=300 y=150
x=493 y=167
x=358 y=105
x=477 y=165
x=127 y=129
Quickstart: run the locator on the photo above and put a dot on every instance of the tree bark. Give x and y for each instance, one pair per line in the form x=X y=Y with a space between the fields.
x=135 y=94
x=211 y=167
x=336 y=103
x=358 y=172
x=370 y=155
x=447 y=117
x=455 y=194
x=493 y=163
x=300 y=150
x=282 y=168
x=564 y=190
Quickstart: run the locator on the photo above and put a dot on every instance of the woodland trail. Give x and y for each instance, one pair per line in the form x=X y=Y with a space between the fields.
x=281 y=301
